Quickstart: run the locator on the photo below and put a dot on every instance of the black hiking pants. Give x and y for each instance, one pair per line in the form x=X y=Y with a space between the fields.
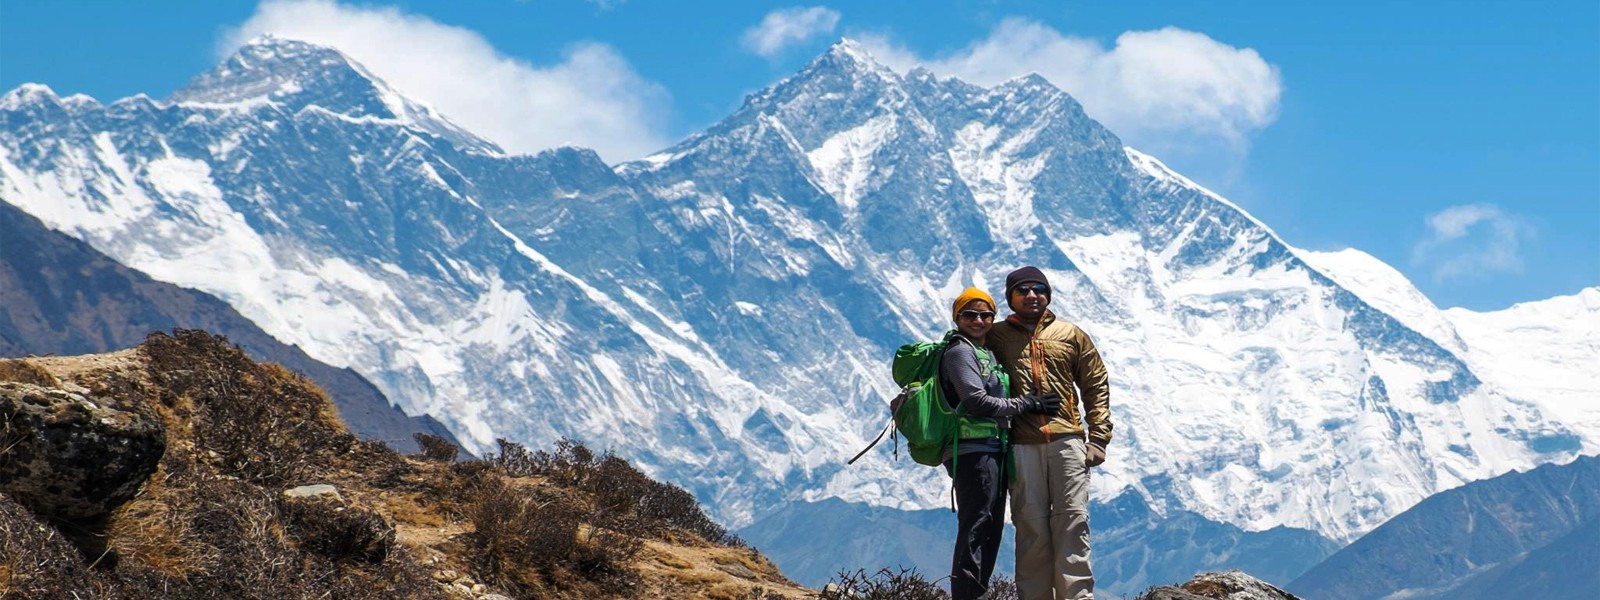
x=980 y=488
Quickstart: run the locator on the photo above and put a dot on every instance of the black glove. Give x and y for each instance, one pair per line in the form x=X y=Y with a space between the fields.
x=1048 y=404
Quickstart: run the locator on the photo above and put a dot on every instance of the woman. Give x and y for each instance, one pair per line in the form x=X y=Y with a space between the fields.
x=974 y=384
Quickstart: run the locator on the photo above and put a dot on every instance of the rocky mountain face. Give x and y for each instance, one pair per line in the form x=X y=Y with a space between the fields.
x=1528 y=535
x=58 y=296
x=722 y=311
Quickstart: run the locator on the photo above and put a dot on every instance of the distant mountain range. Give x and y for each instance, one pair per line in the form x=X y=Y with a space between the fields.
x=1520 y=535
x=721 y=312
x=58 y=296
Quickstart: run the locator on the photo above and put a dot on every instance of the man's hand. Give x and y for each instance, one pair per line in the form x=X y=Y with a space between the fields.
x=1096 y=455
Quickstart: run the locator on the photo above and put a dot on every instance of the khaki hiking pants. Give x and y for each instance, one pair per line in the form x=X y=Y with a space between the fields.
x=1050 y=507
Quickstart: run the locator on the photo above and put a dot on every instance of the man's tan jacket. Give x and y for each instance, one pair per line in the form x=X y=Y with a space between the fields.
x=1066 y=362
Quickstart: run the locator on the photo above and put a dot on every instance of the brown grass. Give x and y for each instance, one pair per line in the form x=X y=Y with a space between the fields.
x=22 y=370
x=673 y=560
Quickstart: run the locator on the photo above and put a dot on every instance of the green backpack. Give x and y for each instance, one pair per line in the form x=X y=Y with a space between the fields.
x=921 y=413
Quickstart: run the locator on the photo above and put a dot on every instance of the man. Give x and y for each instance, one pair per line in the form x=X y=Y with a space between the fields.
x=1053 y=455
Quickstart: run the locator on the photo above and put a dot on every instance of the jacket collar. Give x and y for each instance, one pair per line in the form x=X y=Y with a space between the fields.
x=1044 y=321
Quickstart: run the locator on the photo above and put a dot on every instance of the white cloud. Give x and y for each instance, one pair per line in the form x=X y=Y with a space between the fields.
x=789 y=26
x=1470 y=241
x=1165 y=91
x=592 y=98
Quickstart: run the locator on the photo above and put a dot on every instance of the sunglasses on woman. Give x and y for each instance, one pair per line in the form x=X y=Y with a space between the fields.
x=969 y=315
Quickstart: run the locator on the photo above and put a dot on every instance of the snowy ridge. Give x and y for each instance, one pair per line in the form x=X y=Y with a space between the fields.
x=1547 y=351
x=1387 y=290
x=721 y=312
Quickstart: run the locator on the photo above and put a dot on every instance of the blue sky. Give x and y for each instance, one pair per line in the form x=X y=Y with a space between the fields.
x=1457 y=141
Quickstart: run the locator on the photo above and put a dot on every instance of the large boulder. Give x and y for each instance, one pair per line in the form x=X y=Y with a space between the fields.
x=1227 y=585
x=67 y=456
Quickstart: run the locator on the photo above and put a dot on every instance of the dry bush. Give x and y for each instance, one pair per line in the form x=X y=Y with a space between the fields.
x=36 y=561
x=533 y=543
x=436 y=448
x=1001 y=588
x=906 y=584
x=732 y=590
x=265 y=423
x=21 y=370
x=627 y=501
x=220 y=537
x=154 y=533
x=338 y=531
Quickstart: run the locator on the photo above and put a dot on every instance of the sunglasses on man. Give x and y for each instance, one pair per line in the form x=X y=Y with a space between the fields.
x=969 y=315
x=1038 y=289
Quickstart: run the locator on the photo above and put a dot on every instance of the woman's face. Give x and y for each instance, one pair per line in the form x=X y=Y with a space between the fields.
x=976 y=319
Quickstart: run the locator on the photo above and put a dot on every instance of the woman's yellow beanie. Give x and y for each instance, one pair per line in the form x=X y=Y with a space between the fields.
x=966 y=297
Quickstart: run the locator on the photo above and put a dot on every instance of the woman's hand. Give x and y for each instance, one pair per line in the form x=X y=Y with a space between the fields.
x=1048 y=404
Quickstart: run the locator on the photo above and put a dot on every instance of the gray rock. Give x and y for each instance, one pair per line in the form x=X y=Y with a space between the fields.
x=67 y=456
x=321 y=491
x=1227 y=585
x=738 y=570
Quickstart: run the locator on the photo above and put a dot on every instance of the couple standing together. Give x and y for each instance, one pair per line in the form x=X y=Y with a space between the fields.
x=1043 y=447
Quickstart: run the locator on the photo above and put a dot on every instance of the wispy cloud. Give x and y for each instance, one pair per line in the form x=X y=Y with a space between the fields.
x=786 y=27
x=1472 y=241
x=1165 y=91
x=592 y=98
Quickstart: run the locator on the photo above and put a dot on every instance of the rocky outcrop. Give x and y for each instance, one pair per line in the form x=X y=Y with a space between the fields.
x=1227 y=585
x=69 y=456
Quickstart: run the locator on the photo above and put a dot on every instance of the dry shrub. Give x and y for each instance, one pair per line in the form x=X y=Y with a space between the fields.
x=338 y=531
x=533 y=543
x=228 y=538
x=155 y=534
x=451 y=489
x=905 y=584
x=732 y=590
x=21 y=370
x=36 y=561
x=1001 y=588
x=627 y=500
x=265 y=423
x=436 y=448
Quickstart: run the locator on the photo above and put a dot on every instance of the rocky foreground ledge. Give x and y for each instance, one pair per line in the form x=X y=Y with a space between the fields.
x=182 y=469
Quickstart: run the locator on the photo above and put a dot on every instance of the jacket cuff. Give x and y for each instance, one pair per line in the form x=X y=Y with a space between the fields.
x=1099 y=442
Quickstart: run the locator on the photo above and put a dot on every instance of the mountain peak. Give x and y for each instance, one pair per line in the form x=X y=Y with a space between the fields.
x=28 y=93
x=850 y=48
x=296 y=75
x=850 y=56
x=276 y=69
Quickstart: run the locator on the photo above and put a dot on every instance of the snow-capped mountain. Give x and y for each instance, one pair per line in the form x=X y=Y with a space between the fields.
x=722 y=312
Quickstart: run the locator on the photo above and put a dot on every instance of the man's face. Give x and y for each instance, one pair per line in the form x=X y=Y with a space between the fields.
x=1029 y=299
